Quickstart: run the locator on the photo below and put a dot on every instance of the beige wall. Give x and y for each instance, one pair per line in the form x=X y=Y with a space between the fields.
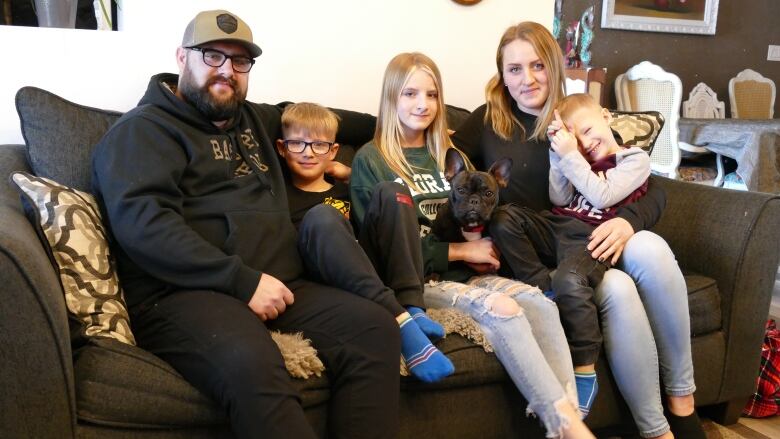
x=332 y=52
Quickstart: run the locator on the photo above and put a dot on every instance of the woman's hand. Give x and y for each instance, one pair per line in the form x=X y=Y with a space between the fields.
x=608 y=239
x=481 y=254
x=339 y=171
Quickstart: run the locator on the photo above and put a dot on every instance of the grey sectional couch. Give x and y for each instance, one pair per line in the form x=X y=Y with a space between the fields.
x=726 y=242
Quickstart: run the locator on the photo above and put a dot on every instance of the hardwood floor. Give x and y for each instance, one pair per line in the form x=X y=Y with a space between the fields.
x=769 y=427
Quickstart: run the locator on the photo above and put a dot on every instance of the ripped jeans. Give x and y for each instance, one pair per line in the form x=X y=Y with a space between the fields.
x=531 y=345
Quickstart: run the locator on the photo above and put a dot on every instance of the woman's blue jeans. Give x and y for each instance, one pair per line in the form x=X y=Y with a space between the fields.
x=646 y=328
x=531 y=345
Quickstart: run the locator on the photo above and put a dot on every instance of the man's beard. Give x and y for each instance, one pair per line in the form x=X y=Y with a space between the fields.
x=214 y=109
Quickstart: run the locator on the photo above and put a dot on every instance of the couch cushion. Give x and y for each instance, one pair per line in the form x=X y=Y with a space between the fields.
x=456 y=116
x=473 y=366
x=71 y=223
x=61 y=135
x=125 y=386
x=703 y=304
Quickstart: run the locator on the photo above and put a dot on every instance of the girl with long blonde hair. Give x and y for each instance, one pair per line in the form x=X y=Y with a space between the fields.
x=391 y=131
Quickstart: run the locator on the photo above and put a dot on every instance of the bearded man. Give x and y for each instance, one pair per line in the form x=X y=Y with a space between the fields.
x=194 y=197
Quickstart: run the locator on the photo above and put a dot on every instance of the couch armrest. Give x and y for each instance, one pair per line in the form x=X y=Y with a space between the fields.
x=732 y=237
x=37 y=400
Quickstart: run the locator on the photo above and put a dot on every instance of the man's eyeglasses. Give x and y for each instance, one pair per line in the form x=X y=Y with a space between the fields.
x=317 y=147
x=215 y=58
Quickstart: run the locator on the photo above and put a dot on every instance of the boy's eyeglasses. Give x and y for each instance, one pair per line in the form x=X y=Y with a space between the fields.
x=298 y=146
x=216 y=58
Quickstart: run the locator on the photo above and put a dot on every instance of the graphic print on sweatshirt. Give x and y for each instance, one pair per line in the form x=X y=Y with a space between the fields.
x=225 y=151
x=582 y=209
x=340 y=205
x=430 y=194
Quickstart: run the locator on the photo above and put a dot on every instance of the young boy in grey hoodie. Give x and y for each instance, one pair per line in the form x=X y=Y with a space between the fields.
x=591 y=175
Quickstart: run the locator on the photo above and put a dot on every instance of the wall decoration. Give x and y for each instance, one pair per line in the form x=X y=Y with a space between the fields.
x=678 y=16
x=556 y=30
x=579 y=37
x=570 y=53
x=69 y=14
x=586 y=28
x=54 y=13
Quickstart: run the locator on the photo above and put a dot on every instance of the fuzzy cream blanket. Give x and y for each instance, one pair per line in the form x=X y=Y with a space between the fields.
x=301 y=359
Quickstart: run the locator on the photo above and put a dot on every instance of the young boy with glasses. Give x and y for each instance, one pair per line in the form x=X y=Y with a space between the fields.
x=384 y=263
x=309 y=149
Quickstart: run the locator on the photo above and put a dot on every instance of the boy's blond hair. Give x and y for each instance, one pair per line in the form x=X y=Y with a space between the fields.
x=311 y=118
x=568 y=105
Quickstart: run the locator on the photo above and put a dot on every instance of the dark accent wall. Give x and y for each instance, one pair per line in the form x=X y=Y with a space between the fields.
x=744 y=31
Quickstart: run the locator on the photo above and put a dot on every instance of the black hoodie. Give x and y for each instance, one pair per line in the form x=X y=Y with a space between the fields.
x=192 y=206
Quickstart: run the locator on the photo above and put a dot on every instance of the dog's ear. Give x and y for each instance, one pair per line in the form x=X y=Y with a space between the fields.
x=453 y=163
x=500 y=170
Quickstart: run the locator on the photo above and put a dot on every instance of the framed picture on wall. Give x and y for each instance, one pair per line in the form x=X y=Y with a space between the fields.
x=678 y=16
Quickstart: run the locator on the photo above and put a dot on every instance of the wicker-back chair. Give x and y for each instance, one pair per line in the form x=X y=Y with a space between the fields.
x=752 y=96
x=648 y=87
x=703 y=103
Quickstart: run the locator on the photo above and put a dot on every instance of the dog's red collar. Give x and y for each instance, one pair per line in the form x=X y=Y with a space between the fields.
x=475 y=229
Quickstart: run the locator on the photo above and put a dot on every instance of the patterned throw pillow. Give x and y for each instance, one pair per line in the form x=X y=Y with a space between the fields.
x=71 y=223
x=637 y=128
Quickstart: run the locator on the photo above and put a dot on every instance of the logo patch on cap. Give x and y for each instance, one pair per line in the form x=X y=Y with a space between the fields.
x=227 y=23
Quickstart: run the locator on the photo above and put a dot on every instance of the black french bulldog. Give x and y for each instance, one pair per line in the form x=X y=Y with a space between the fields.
x=473 y=197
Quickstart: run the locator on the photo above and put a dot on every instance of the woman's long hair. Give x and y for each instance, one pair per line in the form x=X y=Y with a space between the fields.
x=499 y=102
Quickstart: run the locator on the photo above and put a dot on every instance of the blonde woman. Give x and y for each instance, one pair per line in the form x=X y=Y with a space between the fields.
x=644 y=307
x=409 y=146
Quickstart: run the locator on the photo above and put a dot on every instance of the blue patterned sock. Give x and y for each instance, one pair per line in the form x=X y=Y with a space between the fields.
x=423 y=360
x=587 y=388
x=433 y=330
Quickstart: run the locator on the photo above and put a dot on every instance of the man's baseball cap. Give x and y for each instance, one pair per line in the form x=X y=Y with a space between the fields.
x=219 y=25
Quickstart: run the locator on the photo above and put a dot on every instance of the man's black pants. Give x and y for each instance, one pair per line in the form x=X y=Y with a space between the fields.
x=220 y=346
